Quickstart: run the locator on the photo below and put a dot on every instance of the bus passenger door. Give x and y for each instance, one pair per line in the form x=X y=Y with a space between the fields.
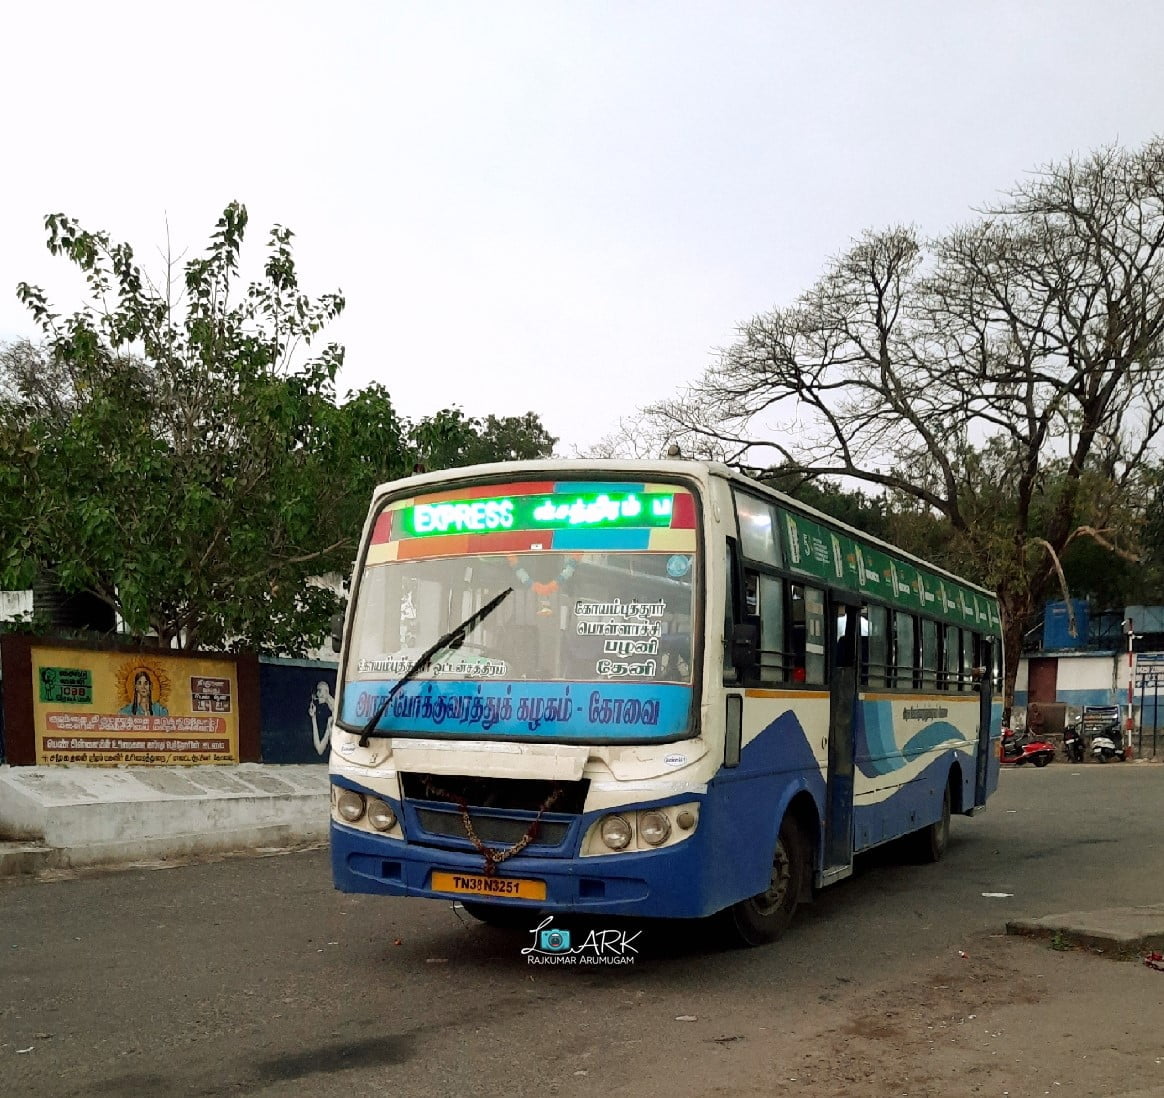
x=844 y=637
x=985 y=708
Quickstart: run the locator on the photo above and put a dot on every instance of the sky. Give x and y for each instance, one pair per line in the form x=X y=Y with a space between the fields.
x=558 y=207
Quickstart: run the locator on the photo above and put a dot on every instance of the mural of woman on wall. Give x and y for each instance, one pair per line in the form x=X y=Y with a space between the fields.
x=142 y=701
x=320 y=711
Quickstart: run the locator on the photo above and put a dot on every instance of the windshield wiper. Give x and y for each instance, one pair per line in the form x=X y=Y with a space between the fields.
x=454 y=638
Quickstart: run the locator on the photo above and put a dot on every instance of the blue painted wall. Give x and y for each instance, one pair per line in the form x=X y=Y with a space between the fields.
x=1077 y=697
x=287 y=689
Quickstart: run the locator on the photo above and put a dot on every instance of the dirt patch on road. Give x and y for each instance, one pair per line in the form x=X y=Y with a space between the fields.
x=1004 y=1016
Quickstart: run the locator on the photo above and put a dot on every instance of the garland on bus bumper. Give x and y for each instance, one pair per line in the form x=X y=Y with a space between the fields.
x=493 y=858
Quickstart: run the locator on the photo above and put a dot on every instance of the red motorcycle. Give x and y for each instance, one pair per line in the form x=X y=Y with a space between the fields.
x=1017 y=748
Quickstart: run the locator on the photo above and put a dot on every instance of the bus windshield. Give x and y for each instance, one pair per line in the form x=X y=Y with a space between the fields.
x=593 y=644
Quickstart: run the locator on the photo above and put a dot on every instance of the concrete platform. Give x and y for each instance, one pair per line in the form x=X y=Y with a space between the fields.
x=17 y=858
x=1120 y=931
x=60 y=817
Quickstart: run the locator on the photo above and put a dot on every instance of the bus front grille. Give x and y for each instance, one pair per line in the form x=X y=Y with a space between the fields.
x=493 y=829
x=499 y=794
x=502 y=811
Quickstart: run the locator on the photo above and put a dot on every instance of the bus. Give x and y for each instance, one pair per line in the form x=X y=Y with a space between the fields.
x=651 y=689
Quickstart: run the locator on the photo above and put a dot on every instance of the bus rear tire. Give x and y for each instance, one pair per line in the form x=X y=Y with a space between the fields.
x=501 y=917
x=761 y=919
x=930 y=842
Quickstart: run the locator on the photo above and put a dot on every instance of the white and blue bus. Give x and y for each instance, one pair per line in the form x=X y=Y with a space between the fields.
x=651 y=689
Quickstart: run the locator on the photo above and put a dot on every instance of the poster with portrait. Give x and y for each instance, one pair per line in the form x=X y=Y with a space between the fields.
x=296 y=699
x=132 y=708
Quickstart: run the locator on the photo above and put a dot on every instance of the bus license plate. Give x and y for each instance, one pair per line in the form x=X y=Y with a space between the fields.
x=477 y=884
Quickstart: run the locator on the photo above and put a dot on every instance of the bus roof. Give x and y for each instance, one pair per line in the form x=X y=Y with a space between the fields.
x=701 y=471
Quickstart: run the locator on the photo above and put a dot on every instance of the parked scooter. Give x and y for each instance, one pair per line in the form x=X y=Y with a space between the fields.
x=1103 y=722
x=1104 y=748
x=1073 y=743
x=1018 y=748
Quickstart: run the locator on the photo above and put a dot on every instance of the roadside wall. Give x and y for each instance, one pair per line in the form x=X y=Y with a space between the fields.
x=296 y=702
x=96 y=704
x=1081 y=678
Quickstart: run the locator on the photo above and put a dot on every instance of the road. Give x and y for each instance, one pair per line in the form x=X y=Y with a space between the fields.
x=250 y=975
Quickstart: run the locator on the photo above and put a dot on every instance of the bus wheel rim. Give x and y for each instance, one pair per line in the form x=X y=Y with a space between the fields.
x=776 y=894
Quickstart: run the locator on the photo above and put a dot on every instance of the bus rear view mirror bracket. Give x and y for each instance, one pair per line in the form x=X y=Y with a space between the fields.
x=337 y=630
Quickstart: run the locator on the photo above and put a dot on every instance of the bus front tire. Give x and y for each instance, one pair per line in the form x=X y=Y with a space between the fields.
x=763 y=918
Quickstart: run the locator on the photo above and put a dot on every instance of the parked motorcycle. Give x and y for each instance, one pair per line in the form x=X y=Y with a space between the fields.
x=1103 y=722
x=1017 y=748
x=1074 y=746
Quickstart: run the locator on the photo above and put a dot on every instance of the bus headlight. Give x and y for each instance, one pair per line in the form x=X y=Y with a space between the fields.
x=380 y=815
x=615 y=832
x=654 y=827
x=350 y=805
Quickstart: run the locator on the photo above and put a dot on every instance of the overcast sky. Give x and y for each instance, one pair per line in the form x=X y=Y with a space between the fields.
x=547 y=206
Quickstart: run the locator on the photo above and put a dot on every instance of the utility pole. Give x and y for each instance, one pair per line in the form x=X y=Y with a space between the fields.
x=1129 y=629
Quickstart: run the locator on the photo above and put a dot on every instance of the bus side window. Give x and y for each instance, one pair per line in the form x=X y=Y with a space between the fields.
x=847 y=652
x=874 y=648
x=814 y=636
x=757 y=524
x=929 y=655
x=904 y=654
x=951 y=658
x=765 y=598
x=797 y=633
x=966 y=673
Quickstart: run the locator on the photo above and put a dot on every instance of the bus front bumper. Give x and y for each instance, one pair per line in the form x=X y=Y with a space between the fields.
x=659 y=883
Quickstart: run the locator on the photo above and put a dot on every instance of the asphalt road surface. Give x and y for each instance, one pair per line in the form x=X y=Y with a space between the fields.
x=250 y=975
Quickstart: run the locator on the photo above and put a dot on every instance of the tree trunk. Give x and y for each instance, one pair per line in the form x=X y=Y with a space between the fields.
x=1016 y=610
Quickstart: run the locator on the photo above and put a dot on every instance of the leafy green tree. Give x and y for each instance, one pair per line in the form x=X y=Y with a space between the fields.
x=450 y=439
x=177 y=450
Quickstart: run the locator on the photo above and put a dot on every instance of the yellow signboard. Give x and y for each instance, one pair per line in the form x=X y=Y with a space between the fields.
x=140 y=708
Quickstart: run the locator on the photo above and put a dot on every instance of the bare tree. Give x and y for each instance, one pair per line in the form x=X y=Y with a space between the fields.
x=1007 y=376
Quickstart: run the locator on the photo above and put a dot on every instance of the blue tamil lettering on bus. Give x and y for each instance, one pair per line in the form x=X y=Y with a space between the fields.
x=528 y=710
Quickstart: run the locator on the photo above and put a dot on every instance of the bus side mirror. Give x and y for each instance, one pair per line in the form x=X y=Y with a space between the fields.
x=337 y=631
x=746 y=647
